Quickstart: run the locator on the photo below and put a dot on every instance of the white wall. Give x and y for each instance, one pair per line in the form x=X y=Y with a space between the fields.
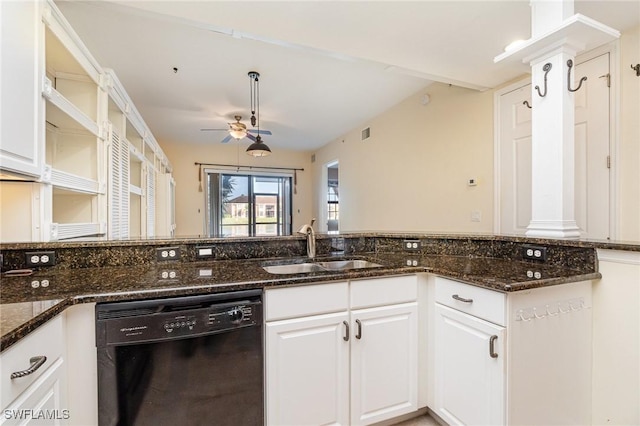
x=629 y=149
x=411 y=174
x=190 y=202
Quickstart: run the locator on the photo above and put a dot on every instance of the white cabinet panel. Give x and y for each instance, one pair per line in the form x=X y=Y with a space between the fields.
x=307 y=371
x=470 y=382
x=43 y=403
x=348 y=367
x=21 y=106
x=384 y=364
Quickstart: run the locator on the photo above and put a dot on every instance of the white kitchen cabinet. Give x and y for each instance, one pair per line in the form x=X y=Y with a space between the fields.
x=136 y=161
x=21 y=39
x=517 y=358
x=308 y=371
x=341 y=353
x=469 y=380
x=384 y=362
x=60 y=115
x=40 y=397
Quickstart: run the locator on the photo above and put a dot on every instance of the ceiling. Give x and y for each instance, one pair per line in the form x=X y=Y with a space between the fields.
x=326 y=67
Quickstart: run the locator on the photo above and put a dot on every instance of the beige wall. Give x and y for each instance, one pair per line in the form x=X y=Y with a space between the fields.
x=629 y=140
x=411 y=175
x=190 y=202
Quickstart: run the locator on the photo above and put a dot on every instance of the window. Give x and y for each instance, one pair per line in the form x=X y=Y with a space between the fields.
x=245 y=205
x=333 y=198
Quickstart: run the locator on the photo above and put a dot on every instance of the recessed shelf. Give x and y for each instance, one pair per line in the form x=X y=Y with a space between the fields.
x=75 y=183
x=63 y=114
x=65 y=231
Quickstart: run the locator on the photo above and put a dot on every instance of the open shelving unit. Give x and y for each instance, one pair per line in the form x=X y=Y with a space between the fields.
x=80 y=162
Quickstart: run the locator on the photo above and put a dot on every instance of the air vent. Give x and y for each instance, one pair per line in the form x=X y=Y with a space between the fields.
x=313 y=158
x=366 y=133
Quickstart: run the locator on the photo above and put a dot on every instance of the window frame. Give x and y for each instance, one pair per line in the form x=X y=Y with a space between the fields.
x=213 y=215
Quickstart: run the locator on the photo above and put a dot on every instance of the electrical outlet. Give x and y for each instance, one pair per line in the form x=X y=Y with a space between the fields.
x=412 y=262
x=40 y=258
x=168 y=253
x=411 y=245
x=168 y=274
x=534 y=253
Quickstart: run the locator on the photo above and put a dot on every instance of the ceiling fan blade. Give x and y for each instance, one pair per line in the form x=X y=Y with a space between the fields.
x=226 y=139
x=250 y=136
x=260 y=132
x=214 y=130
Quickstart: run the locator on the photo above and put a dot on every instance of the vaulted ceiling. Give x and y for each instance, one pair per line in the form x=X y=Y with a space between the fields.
x=326 y=66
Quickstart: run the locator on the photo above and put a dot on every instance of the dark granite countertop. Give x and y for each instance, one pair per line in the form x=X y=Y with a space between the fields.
x=30 y=301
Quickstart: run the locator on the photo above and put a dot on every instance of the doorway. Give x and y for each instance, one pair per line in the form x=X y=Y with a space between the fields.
x=333 y=197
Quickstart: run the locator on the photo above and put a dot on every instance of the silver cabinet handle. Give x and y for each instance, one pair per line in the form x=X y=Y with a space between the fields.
x=36 y=362
x=492 y=351
x=359 y=332
x=462 y=299
x=346 y=331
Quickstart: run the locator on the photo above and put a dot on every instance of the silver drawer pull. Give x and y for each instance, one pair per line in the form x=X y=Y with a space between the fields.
x=359 y=332
x=492 y=349
x=462 y=299
x=36 y=362
x=346 y=330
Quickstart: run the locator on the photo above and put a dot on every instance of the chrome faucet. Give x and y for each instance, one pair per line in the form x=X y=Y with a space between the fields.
x=311 y=238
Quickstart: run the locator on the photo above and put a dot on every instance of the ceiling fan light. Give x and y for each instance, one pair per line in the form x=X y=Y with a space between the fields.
x=238 y=133
x=258 y=149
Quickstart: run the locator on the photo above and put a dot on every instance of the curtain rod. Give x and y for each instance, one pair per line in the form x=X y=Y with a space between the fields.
x=248 y=167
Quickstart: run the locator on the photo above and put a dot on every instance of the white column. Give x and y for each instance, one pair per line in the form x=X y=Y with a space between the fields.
x=552 y=137
x=552 y=149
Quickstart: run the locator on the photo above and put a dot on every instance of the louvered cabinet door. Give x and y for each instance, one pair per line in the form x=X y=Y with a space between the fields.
x=118 y=187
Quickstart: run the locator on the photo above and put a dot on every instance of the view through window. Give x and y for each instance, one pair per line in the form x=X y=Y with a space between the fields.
x=244 y=205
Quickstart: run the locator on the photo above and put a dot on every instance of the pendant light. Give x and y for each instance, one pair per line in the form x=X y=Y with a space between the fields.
x=258 y=148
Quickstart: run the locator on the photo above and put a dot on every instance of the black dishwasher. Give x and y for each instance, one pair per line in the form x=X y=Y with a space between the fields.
x=194 y=360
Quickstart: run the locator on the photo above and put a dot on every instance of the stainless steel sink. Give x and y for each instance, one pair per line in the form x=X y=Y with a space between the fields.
x=294 y=268
x=341 y=265
x=325 y=266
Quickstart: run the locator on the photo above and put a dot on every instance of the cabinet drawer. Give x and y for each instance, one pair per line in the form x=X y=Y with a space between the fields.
x=305 y=300
x=383 y=291
x=482 y=303
x=47 y=340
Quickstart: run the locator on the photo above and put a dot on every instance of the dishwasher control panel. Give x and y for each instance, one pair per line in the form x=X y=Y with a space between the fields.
x=164 y=321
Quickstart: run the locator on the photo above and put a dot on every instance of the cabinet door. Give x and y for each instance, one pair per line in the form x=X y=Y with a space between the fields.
x=469 y=381
x=384 y=362
x=21 y=105
x=307 y=371
x=42 y=403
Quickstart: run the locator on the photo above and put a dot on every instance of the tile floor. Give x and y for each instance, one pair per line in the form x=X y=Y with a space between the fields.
x=425 y=420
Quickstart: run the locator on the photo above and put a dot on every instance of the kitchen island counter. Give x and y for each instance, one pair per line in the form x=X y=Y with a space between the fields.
x=30 y=301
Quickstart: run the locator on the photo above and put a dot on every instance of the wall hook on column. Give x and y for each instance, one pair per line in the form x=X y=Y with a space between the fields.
x=637 y=69
x=583 y=79
x=546 y=68
x=527 y=104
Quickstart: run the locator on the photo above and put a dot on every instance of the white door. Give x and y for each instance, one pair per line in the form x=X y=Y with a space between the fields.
x=384 y=365
x=307 y=371
x=515 y=160
x=591 y=153
x=592 y=148
x=470 y=387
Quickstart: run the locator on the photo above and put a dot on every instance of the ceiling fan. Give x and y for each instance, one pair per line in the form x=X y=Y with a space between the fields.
x=239 y=130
